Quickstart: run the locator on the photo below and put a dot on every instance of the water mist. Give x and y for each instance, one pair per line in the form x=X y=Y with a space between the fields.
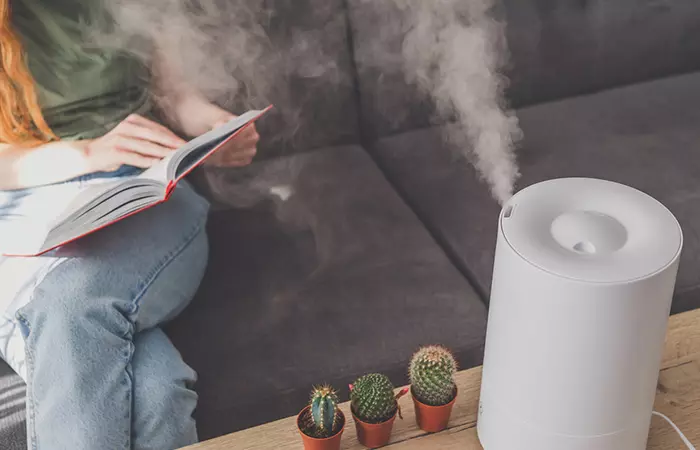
x=453 y=50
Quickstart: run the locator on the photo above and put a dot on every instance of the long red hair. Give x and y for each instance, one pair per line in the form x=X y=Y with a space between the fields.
x=21 y=120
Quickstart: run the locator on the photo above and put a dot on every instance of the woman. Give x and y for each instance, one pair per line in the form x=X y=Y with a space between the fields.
x=82 y=324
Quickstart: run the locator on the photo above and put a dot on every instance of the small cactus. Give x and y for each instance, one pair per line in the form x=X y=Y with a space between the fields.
x=324 y=418
x=432 y=372
x=372 y=398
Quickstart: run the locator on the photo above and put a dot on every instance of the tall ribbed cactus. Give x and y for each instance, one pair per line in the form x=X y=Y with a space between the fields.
x=372 y=398
x=432 y=372
x=324 y=418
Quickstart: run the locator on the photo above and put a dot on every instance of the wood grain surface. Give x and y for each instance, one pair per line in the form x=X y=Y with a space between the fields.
x=678 y=396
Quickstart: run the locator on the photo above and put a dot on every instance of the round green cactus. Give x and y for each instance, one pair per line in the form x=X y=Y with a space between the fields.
x=372 y=398
x=432 y=372
x=324 y=418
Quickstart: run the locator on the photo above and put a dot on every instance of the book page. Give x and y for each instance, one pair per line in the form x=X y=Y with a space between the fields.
x=169 y=167
x=75 y=202
x=113 y=207
x=113 y=200
x=84 y=199
x=195 y=156
x=197 y=149
x=124 y=210
x=159 y=171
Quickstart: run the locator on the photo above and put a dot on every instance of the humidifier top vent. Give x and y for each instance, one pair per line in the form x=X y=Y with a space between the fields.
x=591 y=230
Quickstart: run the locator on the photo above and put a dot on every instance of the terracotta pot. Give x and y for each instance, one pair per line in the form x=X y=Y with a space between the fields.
x=312 y=443
x=433 y=418
x=374 y=435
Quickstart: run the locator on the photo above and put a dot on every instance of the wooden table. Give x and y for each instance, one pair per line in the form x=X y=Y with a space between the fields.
x=678 y=396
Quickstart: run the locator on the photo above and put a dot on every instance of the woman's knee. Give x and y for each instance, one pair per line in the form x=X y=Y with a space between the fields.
x=175 y=286
x=74 y=299
x=148 y=269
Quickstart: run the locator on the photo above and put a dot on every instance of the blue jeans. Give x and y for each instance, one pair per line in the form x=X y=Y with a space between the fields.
x=100 y=372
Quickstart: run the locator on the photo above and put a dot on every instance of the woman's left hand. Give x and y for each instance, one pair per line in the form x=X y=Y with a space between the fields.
x=195 y=115
x=240 y=150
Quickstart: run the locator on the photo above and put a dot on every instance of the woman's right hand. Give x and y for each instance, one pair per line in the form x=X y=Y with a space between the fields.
x=136 y=141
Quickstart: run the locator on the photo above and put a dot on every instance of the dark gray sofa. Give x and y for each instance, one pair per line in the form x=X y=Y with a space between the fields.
x=347 y=246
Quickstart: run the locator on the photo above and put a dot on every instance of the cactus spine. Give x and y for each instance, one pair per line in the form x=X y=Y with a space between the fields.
x=432 y=372
x=324 y=416
x=372 y=398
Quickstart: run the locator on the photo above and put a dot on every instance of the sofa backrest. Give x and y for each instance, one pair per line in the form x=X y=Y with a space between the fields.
x=562 y=48
x=306 y=72
x=558 y=48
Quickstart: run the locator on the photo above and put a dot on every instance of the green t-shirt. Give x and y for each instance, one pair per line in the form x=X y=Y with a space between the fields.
x=83 y=91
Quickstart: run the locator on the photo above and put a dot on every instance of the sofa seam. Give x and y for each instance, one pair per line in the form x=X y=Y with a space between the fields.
x=349 y=35
x=438 y=237
x=435 y=235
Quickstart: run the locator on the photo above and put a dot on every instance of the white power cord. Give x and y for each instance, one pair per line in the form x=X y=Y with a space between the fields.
x=678 y=430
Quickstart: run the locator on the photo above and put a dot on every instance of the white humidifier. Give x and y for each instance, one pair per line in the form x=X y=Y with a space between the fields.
x=582 y=286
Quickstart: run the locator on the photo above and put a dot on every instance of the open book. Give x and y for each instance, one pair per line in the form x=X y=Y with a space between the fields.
x=103 y=204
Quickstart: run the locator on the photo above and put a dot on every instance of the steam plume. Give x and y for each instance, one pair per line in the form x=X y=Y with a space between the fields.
x=454 y=50
x=231 y=51
x=215 y=46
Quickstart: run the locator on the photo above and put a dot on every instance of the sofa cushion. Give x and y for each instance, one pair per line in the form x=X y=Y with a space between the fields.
x=645 y=135
x=320 y=273
x=558 y=48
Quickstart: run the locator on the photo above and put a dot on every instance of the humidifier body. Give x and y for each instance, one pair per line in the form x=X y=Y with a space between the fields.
x=581 y=293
